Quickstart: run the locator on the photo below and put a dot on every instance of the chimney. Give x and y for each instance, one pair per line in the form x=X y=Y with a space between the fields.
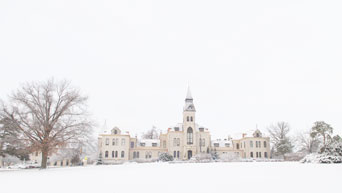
x=244 y=135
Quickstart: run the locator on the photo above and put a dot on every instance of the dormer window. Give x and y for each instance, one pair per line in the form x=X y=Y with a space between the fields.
x=142 y=144
x=216 y=145
x=201 y=129
x=176 y=128
x=154 y=144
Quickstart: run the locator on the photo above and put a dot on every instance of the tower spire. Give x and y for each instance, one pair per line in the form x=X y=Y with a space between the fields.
x=189 y=105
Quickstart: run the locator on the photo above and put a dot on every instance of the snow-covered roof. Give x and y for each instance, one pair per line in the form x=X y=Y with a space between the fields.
x=149 y=142
x=180 y=127
x=248 y=133
x=221 y=143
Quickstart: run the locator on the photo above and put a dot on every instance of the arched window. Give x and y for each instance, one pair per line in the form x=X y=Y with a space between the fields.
x=115 y=131
x=116 y=153
x=106 y=154
x=112 y=153
x=122 y=154
x=189 y=136
x=251 y=154
x=191 y=119
x=187 y=118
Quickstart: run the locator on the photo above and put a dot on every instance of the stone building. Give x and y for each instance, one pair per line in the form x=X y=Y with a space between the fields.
x=182 y=141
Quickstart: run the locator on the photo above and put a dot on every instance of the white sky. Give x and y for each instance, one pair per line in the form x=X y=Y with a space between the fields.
x=248 y=62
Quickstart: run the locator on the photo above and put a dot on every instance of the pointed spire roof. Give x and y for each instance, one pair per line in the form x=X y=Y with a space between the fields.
x=189 y=105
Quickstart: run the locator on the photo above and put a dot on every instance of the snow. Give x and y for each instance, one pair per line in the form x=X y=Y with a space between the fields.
x=179 y=177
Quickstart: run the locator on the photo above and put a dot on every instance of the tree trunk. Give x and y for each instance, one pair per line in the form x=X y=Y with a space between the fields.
x=45 y=153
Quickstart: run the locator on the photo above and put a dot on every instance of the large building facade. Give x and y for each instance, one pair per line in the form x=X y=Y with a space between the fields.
x=182 y=141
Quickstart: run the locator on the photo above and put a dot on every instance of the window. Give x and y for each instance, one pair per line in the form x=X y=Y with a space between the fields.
x=259 y=154
x=62 y=163
x=265 y=154
x=251 y=154
x=142 y=144
x=202 y=142
x=216 y=144
x=176 y=128
x=244 y=144
x=106 y=154
x=190 y=136
x=174 y=154
x=154 y=144
x=251 y=143
x=137 y=154
x=187 y=118
x=256 y=144
x=115 y=131
x=178 y=141
x=201 y=129
x=107 y=141
x=174 y=141
x=113 y=154
x=134 y=155
x=132 y=144
x=148 y=155
x=123 y=141
x=164 y=144
x=113 y=142
x=256 y=154
x=122 y=154
x=67 y=162
x=177 y=154
x=116 y=153
x=265 y=144
x=237 y=146
x=191 y=119
x=227 y=144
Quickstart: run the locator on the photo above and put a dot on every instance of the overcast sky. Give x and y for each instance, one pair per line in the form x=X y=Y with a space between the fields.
x=247 y=62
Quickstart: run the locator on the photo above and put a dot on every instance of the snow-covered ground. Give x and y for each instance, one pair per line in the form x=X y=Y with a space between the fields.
x=188 y=177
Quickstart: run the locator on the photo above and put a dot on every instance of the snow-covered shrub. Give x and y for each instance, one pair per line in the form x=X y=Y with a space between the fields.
x=229 y=157
x=202 y=158
x=331 y=154
x=165 y=157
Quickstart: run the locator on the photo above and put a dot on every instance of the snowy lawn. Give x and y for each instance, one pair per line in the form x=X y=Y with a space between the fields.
x=187 y=177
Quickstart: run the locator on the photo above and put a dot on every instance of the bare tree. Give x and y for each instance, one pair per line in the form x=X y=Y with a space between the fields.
x=151 y=134
x=49 y=115
x=280 y=139
x=307 y=143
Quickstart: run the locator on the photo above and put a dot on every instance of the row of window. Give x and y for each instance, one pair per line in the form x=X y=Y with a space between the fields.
x=176 y=154
x=188 y=119
x=251 y=144
x=258 y=154
x=115 y=142
x=115 y=154
x=144 y=144
x=136 y=155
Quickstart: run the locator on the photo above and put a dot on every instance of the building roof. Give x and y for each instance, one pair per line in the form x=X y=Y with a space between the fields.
x=148 y=142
